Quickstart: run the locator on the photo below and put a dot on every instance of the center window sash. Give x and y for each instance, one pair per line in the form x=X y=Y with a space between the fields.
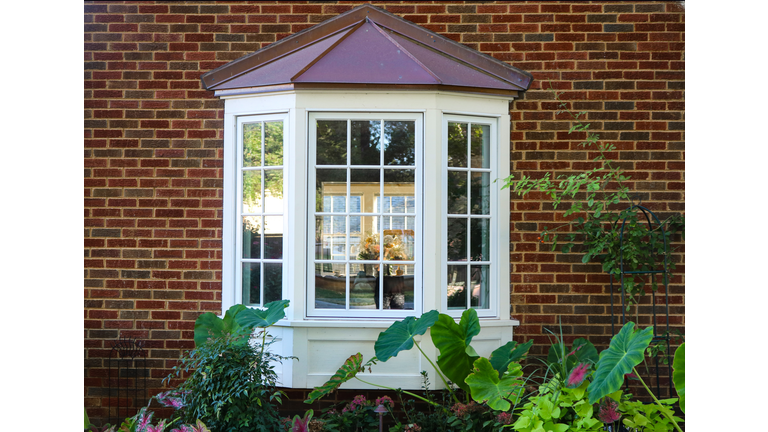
x=365 y=215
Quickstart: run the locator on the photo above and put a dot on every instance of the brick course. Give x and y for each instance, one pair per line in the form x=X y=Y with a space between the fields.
x=153 y=150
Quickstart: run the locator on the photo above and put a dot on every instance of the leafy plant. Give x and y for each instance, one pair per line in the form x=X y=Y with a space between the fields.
x=231 y=384
x=356 y=416
x=603 y=215
x=457 y=361
x=678 y=374
x=564 y=409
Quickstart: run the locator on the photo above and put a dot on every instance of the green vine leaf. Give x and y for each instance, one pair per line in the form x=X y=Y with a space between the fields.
x=346 y=372
x=627 y=350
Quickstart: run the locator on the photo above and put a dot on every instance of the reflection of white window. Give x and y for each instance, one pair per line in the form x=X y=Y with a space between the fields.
x=365 y=170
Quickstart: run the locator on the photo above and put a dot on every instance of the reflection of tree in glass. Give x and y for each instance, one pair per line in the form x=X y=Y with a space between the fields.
x=273 y=156
x=331 y=142
x=457 y=144
x=400 y=137
x=365 y=143
x=252 y=144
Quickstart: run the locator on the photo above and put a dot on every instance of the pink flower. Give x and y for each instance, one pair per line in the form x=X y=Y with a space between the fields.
x=358 y=401
x=386 y=401
x=504 y=418
x=577 y=376
x=608 y=410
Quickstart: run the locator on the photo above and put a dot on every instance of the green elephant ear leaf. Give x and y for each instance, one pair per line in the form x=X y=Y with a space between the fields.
x=585 y=351
x=626 y=351
x=346 y=372
x=678 y=374
x=486 y=386
x=209 y=325
x=263 y=318
x=456 y=355
x=399 y=336
x=510 y=352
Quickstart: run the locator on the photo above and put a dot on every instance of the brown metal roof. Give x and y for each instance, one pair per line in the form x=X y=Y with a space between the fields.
x=367 y=47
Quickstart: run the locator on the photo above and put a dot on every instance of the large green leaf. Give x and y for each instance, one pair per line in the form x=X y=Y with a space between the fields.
x=263 y=318
x=583 y=352
x=486 y=386
x=456 y=355
x=209 y=325
x=678 y=374
x=626 y=351
x=346 y=372
x=510 y=352
x=399 y=336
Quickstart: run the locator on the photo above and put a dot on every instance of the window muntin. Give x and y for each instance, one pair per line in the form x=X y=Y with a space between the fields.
x=261 y=209
x=366 y=224
x=470 y=205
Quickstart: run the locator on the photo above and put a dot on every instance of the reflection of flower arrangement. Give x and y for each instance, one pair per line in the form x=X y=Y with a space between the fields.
x=369 y=247
x=394 y=248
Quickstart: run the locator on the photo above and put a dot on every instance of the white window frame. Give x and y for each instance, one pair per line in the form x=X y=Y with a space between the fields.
x=493 y=261
x=388 y=115
x=237 y=212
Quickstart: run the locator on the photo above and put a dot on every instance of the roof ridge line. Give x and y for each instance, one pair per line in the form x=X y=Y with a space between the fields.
x=309 y=65
x=408 y=53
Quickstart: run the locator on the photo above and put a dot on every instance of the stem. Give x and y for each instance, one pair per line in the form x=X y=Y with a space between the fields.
x=438 y=372
x=657 y=401
x=404 y=391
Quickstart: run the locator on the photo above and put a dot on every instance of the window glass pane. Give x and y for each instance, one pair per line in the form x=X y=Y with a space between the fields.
x=457 y=145
x=331 y=182
x=399 y=143
x=365 y=144
x=481 y=193
x=399 y=186
x=480 y=146
x=457 y=192
x=365 y=183
x=355 y=204
x=252 y=144
x=273 y=237
x=322 y=228
x=408 y=281
x=457 y=239
x=273 y=143
x=369 y=245
x=252 y=237
x=330 y=286
x=252 y=191
x=479 y=246
x=273 y=282
x=273 y=191
x=457 y=282
x=398 y=244
x=363 y=286
x=331 y=142
x=251 y=283
x=479 y=285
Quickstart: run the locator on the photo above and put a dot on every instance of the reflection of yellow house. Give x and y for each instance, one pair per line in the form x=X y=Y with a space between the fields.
x=368 y=194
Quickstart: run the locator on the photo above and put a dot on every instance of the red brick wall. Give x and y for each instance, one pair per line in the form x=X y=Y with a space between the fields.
x=153 y=149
